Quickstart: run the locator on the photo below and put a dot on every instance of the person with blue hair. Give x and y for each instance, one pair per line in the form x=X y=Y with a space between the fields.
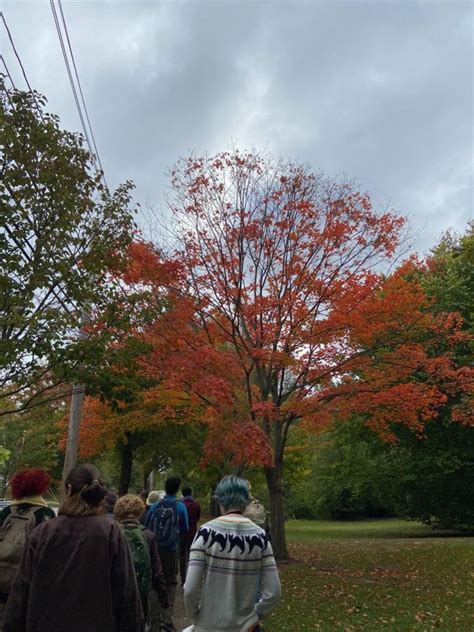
x=232 y=581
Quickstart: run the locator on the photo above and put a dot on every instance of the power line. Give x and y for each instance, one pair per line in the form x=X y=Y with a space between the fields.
x=95 y=155
x=71 y=80
x=17 y=55
x=91 y=145
x=16 y=52
x=79 y=84
x=7 y=71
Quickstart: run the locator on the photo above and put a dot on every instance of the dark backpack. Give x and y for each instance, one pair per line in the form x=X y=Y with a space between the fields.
x=163 y=521
x=140 y=551
x=13 y=535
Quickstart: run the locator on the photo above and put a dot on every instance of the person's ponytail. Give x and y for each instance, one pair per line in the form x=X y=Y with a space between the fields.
x=85 y=492
x=94 y=493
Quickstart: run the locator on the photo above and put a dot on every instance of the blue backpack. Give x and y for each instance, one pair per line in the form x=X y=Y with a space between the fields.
x=163 y=521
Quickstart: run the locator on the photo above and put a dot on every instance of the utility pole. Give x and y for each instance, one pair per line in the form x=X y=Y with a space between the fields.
x=75 y=416
x=75 y=413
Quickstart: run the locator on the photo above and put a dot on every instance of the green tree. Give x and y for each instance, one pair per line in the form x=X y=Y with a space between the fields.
x=61 y=230
x=428 y=476
x=450 y=280
x=346 y=472
x=437 y=471
x=31 y=439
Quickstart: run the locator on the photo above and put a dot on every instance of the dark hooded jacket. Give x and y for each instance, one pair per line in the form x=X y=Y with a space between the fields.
x=76 y=574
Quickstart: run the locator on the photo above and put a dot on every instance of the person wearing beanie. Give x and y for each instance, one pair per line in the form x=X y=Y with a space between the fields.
x=152 y=498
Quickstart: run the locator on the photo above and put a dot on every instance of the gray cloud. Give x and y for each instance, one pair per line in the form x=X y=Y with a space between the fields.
x=381 y=91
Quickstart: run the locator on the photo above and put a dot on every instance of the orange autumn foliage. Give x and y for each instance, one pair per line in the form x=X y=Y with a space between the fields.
x=279 y=305
x=278 y=312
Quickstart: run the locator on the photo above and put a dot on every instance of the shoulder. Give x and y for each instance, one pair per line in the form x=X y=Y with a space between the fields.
x=226 y=524
x=41 y=512
x=250 y=525
x=44 y=513
x=151 y=508
x=208 y=526
x=44 y=528
x=107 y=525
x=237 y=524
x=203 y=533
x=68 y=528
x=84 y=524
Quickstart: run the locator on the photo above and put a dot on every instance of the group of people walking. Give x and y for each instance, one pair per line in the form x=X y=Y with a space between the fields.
x=113 y=566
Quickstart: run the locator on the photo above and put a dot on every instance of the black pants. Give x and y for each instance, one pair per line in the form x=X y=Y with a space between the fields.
x=183 y=560
x=163 y=619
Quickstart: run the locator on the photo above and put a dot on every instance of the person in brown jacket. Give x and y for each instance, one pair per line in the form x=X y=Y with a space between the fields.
x=76 y=573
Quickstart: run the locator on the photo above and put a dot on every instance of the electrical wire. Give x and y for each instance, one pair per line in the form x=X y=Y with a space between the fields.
x=17 y=55
x=91 y=145
x=16 y=52
x=79 y=83
x=71 y=80
x=7 y=71
x=87 y=134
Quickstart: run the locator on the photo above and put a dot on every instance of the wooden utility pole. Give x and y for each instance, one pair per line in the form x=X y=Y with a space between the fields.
x=75 y=413
x=75 y=416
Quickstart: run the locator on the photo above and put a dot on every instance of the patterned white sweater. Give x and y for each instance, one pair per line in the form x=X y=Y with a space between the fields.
x=231 y=564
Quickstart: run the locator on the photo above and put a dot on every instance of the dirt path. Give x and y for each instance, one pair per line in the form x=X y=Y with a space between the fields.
x=180 y=619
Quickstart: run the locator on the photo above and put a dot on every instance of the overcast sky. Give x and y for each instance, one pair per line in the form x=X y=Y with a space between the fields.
x=381 y=91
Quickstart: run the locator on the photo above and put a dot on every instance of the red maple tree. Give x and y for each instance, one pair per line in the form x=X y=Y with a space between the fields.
x=293 y=315
x=280 y=312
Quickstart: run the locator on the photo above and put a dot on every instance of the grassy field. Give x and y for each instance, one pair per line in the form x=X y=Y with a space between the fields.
x=375 y=575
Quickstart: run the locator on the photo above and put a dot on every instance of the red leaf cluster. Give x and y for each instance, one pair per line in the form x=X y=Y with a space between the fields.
x=277 y=310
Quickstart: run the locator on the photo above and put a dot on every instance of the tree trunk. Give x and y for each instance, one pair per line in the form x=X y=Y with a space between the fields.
x=277 y=511
x=214 y=508
x=126 y=464
x=147 y=470
x=240 y=469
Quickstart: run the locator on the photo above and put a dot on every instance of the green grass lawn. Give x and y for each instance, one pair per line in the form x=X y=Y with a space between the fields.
x=375 y=575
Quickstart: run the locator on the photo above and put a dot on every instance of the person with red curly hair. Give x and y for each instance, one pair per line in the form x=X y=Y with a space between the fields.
x=27 y=510
x=28 y=487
